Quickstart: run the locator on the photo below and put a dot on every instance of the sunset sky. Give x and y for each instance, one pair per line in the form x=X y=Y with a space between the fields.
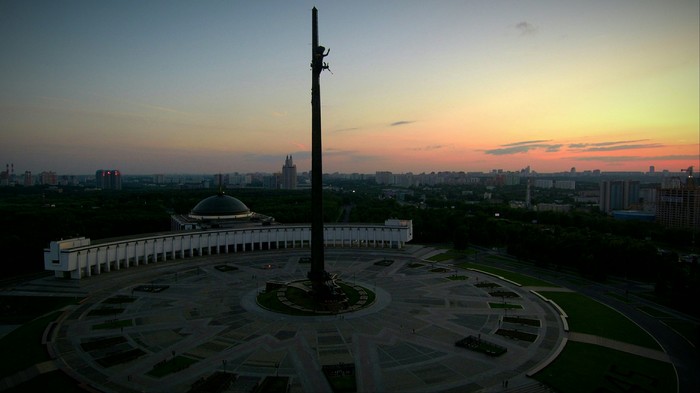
x=225 y=86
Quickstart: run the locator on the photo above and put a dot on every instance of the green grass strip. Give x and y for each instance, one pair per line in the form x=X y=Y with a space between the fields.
x=24 y=343
x=524 y=280
x=500 y=259
x=178 y=363
x=300 y=298
x=57 y=380
x=451 y=254
x=687 y=329
x=619 y=297
x=114 y=324
x=589 y=316
x=585 y=368
x=20 y=309
x=654 y=312
x=504 y=305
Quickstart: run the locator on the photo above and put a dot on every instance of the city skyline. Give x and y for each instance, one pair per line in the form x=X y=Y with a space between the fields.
x=166 y=87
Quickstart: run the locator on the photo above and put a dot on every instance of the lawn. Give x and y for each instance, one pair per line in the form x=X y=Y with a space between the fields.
x=504 y=305
x=446 y=256
x=225 y=268
x=105 y=311
x=516 y=334
x=178 y=363
x=297 y=296
x=273 y=384
x=483 y=346
x=522 y=321
x=622 y=298
x=341 y=377
x=57 y=380
x=654 y=312
x=24 y=343
x=589 y=316
x=588 y=368
x=269 y=301
x=500 y=259
x=522 y=279
x=120 y=357
x=114 y=324
x=119 y=299
x=20 y=309
x=687 y=329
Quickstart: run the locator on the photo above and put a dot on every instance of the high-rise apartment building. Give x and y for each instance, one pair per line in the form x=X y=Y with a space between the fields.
x=544 y=183
x=618 y=195
x=48 y=178
x=289 y=174
x=28 y=179
x=7 y=177
x=384 y=177
x=679 y=207
x=565 y=184
x=239 y=180
x=108 y=179
x=159 y=178
x=511 y=179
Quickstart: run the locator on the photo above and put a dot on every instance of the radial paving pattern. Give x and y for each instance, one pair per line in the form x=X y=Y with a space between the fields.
x=200 y=315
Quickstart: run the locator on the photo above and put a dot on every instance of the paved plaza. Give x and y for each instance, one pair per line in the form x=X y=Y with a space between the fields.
x=203 y=311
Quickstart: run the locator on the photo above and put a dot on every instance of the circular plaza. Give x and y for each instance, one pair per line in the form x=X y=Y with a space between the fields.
x=196 y=325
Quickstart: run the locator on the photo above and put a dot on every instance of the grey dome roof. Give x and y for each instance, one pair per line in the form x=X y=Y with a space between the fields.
x=220 y=205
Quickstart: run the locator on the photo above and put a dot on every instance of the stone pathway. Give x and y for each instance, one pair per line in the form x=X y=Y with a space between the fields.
x=402 y=342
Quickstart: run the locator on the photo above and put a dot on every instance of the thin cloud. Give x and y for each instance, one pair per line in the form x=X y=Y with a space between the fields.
x=401 y=122
x=347 y=129
x=526 y=28
x=624 y=147
x=339 y=152
x=162 y=109
x=264 y=158
x=679 y=157
x=610 y=143
x=349 y=155
x=524 y=147
x=527 y=142
x=429 y=148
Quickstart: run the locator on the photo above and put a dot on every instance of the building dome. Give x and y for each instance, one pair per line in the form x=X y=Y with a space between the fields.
x=220 y=206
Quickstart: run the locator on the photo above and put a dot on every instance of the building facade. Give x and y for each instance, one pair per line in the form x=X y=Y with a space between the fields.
x=108 y=179
x=219 y=224
x=289 y=174
x=48 y=178
x=678 y=207
x=618 y=195
x=80 y=257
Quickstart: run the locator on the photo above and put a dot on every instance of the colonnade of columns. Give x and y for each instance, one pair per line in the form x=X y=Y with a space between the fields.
x=86 y=260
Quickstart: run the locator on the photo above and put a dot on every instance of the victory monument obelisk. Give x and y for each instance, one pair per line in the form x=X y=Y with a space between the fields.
x=318 y=275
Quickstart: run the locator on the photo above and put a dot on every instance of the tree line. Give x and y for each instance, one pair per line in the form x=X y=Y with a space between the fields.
x=592 y=244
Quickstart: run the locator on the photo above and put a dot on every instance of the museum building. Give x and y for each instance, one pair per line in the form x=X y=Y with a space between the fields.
x=219 y=224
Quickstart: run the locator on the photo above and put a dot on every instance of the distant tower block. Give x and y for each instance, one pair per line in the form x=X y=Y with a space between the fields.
x=528 y=199
x=289 y=174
